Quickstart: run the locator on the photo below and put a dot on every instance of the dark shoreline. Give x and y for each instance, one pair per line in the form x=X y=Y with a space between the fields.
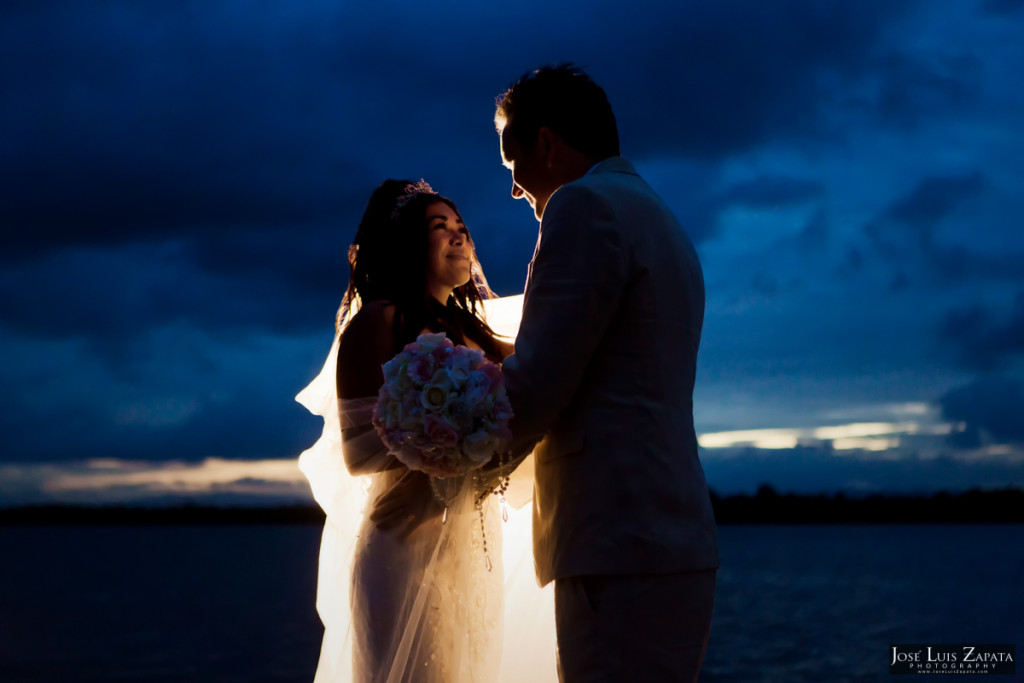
x=1004 y=506
x=976 y=506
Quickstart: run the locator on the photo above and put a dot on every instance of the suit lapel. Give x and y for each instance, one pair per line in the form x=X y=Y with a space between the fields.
x=529 y=269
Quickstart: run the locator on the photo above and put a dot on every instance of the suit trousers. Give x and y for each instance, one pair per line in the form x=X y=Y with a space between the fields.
x=649 y=628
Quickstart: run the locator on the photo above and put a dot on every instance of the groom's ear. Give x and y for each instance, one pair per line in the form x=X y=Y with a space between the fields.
x=547 y=141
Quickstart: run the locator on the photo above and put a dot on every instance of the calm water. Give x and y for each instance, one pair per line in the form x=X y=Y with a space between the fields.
x=812 y=603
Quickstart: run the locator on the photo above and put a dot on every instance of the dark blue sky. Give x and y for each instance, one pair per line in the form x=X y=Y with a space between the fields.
x=180 y=182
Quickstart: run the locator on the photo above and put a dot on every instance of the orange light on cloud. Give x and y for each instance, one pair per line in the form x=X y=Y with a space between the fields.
x=868 y=436
x=212 y=474
x=859 y=430
x=865 y=444
x=758 y=438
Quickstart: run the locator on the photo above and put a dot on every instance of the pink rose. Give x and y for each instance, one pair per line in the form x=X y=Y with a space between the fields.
x=440 y=431
x=477 y=387
x=494 y=372
x=421 y=368
x=409 y=412
x=426 y=343
x=458 y=366
x=394 y=366
x=441 y=354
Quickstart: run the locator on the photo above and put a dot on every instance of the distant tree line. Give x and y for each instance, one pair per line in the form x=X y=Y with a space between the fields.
x=187 y=514
x=767 y=506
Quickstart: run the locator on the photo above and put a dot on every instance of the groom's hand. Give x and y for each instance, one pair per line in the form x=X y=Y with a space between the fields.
x=406 y=505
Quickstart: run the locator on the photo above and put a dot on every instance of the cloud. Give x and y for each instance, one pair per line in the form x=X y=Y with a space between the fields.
x=181 y=182
x=867 y=436
x=245 y=426
x=125 y=481
x=1000 y=8
x=989 y=404
x=981 y=338
x=155 y=124
x=768 y=191
x=253 y=139
x=933 y=200
x=160 y=122
x=909 y=224
x=114 y=297
x=184 y=395
x=739 y=75
x=232 y=155
x=911 y=91
x=803 y=469
x=945 y=231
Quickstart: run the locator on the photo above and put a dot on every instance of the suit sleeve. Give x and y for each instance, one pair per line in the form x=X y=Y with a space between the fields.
x=574 y=287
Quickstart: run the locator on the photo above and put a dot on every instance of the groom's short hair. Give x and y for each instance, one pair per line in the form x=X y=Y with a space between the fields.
x=566 y=100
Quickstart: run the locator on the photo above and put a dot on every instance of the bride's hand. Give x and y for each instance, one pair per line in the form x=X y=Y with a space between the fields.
x=406 y=505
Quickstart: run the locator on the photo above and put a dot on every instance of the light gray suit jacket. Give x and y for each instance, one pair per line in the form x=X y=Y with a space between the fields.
x=603 y=370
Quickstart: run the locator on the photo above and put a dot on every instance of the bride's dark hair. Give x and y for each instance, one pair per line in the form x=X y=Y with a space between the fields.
x=388 y=262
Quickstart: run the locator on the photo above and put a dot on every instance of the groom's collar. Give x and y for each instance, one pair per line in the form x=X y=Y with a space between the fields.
x=612 y=165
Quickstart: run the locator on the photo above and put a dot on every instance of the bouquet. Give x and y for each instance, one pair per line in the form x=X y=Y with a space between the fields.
x=442 y=408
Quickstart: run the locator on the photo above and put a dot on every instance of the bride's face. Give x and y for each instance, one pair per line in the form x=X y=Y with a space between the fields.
x=449 y=251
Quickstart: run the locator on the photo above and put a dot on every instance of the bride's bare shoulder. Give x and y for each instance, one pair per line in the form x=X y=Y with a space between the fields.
x=369 y=319
x=366 y=343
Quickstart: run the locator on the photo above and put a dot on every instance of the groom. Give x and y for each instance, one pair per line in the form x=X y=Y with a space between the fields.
x=602 y=377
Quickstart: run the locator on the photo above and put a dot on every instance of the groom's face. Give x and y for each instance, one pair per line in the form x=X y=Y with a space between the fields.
x=531 y=177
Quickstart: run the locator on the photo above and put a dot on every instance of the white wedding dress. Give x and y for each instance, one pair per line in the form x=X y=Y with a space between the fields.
x=427 y=608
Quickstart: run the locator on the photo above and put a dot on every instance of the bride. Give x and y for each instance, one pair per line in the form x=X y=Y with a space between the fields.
x=412 y=588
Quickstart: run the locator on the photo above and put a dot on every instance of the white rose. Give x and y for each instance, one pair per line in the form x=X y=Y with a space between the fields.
x=478 y=446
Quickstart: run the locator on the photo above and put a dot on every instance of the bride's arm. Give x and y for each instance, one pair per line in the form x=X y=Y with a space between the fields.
x=365 y=345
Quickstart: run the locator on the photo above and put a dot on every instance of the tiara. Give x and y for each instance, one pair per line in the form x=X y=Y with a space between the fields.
x=412 y=190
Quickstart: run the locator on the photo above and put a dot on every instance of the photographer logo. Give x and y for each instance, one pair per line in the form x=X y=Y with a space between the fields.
x=952 y=659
